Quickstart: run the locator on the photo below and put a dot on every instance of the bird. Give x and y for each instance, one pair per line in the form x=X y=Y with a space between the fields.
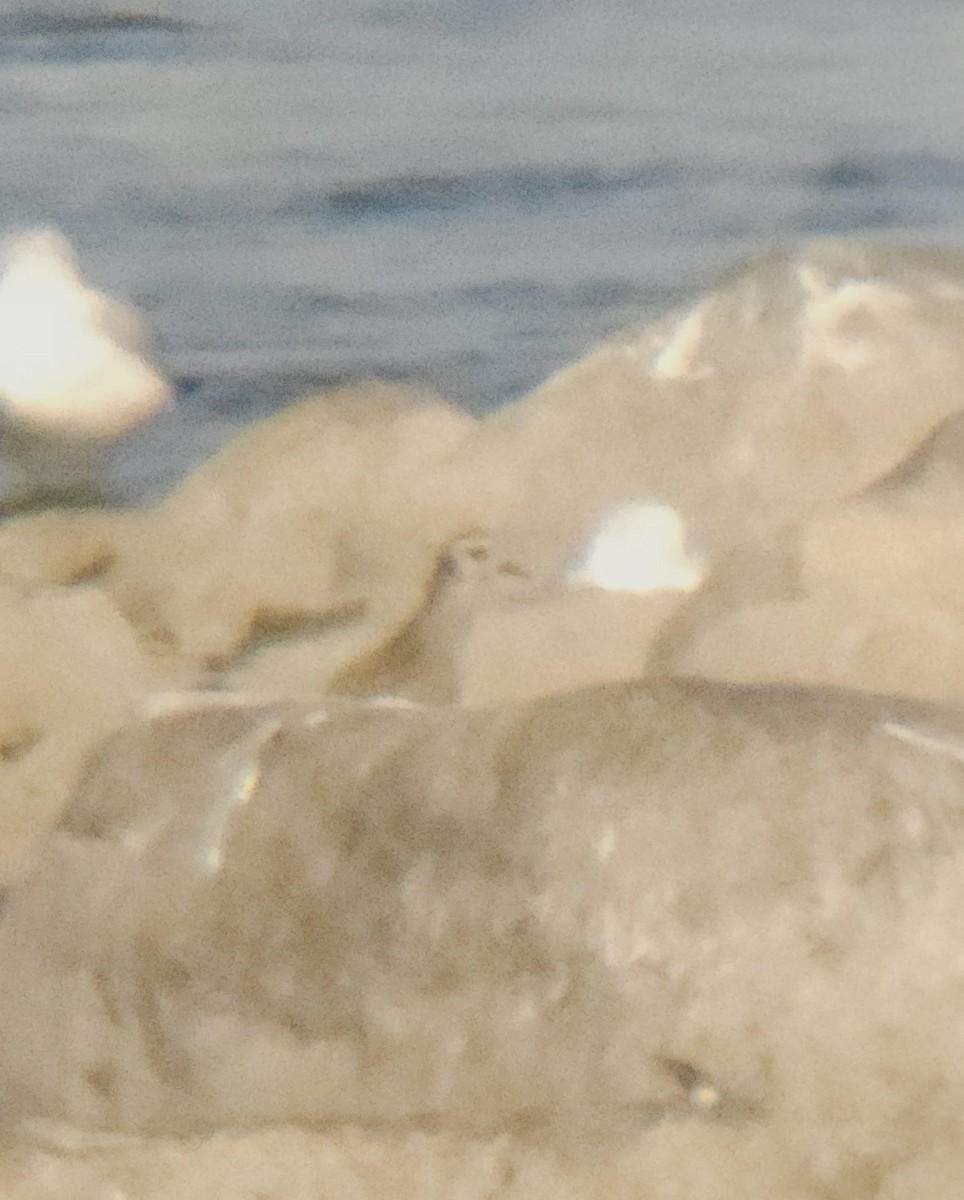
x=420 y=662
x=76 y=374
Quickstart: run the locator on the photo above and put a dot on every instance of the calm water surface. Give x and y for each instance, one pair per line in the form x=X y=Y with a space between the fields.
x=466 y=192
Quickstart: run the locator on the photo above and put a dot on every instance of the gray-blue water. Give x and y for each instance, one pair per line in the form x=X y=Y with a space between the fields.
x=465 y=192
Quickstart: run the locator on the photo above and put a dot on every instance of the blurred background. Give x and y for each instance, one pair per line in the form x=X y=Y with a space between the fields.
x=467 y=193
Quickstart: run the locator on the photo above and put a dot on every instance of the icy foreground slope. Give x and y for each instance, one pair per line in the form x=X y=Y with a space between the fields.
x=555 y=914
x=616 y=919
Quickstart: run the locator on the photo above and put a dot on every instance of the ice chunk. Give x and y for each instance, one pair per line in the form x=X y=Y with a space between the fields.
x=797 y=381
x=74 y=369
x=641 y=548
